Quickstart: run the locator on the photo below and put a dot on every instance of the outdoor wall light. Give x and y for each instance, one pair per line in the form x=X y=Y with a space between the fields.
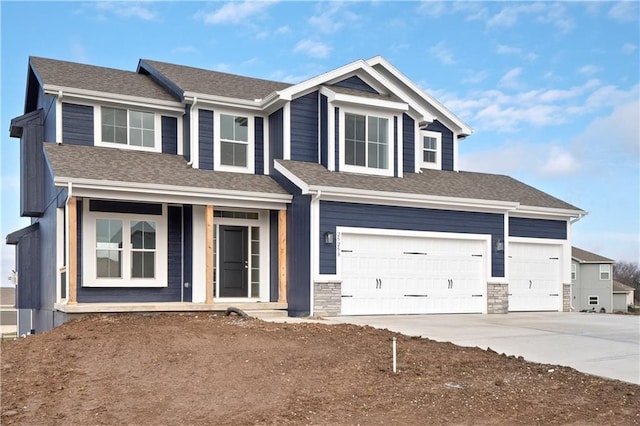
x=328 y=237
x=499 y=245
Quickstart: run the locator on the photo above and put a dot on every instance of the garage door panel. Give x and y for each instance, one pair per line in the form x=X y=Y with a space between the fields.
x=535 y=277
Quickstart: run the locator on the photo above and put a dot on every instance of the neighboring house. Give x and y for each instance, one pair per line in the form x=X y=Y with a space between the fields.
x=177 y=188
x=622 y=296
x=8 y=313
x=592 y=280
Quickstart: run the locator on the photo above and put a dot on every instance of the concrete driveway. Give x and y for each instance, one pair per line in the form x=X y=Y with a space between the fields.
x=600 y=344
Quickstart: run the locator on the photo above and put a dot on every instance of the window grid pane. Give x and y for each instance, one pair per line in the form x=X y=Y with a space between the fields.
x=355 y=145
x=255 y=261
x=114 y=125
x=143 y=245
x=108 y=248
x=234 y=135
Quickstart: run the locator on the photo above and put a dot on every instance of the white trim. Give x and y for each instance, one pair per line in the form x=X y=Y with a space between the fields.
x=266 y=145
x=126 y=281
x=157 y=129
x=199 y=254
x=363 y=102
x=214 y=101
x=331 y=137
x=60 y=251
x=456 y=145
x=180 y=130
x=400 y=145
x=534 y=212
x=421 y=164
x=194 y=134
x=95 y=97
x=217 y=142
x=59 y=118
x=286 y=131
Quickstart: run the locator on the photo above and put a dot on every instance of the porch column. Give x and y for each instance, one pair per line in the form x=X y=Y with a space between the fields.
x=72 y=261
x=282 y=256
x=209 y=255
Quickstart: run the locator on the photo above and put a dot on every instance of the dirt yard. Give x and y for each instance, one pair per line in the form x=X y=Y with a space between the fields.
x=210 y=369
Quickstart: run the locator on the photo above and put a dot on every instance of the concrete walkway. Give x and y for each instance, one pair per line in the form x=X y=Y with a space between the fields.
x=604 y=345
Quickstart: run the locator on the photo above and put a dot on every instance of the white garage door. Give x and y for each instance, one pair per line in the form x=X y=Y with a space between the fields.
x=535 y=277
x=384 y=274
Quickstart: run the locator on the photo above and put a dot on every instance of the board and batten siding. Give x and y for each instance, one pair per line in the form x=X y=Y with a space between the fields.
x=333 y=214
x=77 y=124
x=355 y=82
x=273 y=257
x=537 y=228
x=298 y=255
x=408 y=144
x=258 y=144
x=304 y=128
x=275 y=137
x=187 y=252
x=447 y=143
x=169 y=135
x=205 y=139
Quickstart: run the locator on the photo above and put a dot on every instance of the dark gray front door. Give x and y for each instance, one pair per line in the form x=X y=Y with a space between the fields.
x=234 y=261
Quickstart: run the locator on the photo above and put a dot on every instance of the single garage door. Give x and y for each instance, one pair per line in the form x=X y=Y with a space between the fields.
x=535 y=277
x=384 y=274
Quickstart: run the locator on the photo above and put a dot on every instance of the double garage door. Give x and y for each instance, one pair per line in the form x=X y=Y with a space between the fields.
x=384 y=274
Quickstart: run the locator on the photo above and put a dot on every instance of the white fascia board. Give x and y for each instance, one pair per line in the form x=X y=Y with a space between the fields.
x=291 y=177
x=379 y=60
x=214 y=100
x=369 y=102
x=534 y=212
x=173 y=194
x=92 y=95
x=410 y=200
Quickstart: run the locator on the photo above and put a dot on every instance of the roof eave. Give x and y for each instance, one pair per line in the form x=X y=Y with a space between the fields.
x=552 y=211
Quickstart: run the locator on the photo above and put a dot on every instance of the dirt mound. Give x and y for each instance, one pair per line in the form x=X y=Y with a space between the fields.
x=211 y=369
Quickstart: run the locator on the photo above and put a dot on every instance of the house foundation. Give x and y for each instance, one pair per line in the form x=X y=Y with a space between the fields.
x=497 y=298
x=327 y=298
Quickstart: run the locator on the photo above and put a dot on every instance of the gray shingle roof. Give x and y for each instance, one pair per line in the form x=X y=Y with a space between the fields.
x=198 y=80
x=464 y=185
x=618 y=286
x=120 y=165
x=588 y=257
x=100 y=79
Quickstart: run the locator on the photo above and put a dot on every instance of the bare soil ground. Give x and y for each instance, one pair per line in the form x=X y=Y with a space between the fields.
x=210 y=369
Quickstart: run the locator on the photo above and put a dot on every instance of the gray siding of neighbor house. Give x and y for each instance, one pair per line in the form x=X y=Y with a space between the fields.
x=355 y=82
x=447 y=143
x=408 y=144
x=588 y=283
x=304 y=128
x=77 y=124
x=324 y=131
x=171 y=293
x=537 y=228
x=170 y=135
x=205 y=139
x=333 y=214
x=275 y=138
x=259 y=145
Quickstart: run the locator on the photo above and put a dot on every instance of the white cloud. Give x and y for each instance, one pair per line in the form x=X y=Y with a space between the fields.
x=629 y=48
x=589 y=69
x=442 y=53
x=183 y=49
x=559 y=162
x=314 y=49
x=510 y=78
x=125 y=9
x=331 y=17
x=234 y=12
x=624 y=11
x=473 y=77
x=547 y=13
x=503 y=49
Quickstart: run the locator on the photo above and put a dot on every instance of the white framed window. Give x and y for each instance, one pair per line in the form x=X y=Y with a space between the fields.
x=574 y=271
x=233 y=142
x=429 y=150
x=605 y=272
x=594 y=300
x=124 y=250
x=130 y=128
x=366 y=143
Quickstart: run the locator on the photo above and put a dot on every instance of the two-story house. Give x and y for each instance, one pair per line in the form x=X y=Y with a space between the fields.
x=177 y=188
x=592 y=281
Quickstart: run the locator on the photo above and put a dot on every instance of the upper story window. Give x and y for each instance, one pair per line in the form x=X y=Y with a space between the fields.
x=130 y=128
x=605 y=272
x=365 y=144
x=574 y=271
x=233 y=142
x=430 y=147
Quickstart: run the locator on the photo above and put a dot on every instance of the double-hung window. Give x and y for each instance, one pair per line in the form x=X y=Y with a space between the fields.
x=605 y=272
x=128 y=127
x=367 y=143
x=234 y=140
x=124 y=250
x=429 y=147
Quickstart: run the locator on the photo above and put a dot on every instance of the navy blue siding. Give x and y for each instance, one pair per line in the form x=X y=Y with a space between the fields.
x=324 y=131
x=30 y=129
x=395 y=146
x=205 y=139
x=537 y=228
x=275 y=137
x=259 y=145
x=355 y=82
x=174 y=250
x=298 y=246
x=408 y=144
x=334 y=214
x=47 y=103
x=124 y=207
x=169 y=135
x=27 y=241
x=186 y=133
x=337 y=138
x=304 y=128
x=77 y=124
x=447 y=143
x=273 y=259
x=187 y=252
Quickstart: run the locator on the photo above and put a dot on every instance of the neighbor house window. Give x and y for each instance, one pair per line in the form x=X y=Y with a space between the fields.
x=429 y=149
x=593 y=300
x=234 y=140
x=605 y=272
x=128 y=127
x=366 y=140
x=574 y=271
x=124 y=250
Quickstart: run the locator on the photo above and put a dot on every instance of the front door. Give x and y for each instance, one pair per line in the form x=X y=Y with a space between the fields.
x=234 y=261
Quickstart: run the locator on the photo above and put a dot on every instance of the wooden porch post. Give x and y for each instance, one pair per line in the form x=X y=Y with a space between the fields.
x=72 y=267
x=282 y=256
x=209 y=255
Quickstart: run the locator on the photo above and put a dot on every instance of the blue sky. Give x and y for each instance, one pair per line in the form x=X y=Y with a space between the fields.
x=550 y=88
